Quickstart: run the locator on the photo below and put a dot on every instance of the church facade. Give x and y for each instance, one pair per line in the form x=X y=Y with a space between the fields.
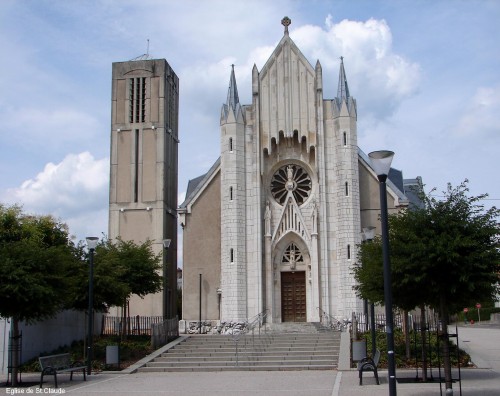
x=273 y=226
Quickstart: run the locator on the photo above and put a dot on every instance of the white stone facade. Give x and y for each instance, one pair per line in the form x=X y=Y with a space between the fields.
x=290 y=198
x=289 y=124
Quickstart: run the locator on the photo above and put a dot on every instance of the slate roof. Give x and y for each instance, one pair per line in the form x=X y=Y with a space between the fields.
x=196 y=184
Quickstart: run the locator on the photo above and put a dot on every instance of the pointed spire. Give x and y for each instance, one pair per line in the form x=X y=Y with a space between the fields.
x=232 y=93
x=343 y=89
x=233 y=101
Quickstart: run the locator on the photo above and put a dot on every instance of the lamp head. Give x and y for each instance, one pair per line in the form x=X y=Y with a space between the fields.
x=166 y=243
x=368 y=233
x=381 y=161
x=92 y=242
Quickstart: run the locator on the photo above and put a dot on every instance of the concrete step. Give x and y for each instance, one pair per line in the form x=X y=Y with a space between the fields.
x=306 y=350
x=242 y=362
x=235 y=368
x=175 y=354
x=244 y=357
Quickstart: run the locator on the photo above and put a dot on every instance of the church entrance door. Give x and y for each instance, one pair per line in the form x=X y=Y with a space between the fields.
x=293 y=296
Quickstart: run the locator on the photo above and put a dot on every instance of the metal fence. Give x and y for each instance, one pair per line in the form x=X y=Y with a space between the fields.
x=163 y=332
x=134 y=325
x=363 y=322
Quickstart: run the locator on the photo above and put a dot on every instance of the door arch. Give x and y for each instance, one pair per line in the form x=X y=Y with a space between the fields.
x=293 y=260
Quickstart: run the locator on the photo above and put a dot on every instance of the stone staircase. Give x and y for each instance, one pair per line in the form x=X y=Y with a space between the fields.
x=281 y=347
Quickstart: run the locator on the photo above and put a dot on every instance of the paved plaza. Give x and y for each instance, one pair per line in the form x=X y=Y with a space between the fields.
x=482 y=342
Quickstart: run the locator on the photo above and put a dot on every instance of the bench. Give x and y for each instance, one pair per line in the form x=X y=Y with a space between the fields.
x=369 y=364
x=54 y=364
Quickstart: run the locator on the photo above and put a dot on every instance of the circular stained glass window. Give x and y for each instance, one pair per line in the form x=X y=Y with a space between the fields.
x=292 y=178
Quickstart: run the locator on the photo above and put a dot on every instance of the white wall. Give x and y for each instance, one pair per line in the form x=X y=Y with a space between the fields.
x=4 y=345
x=46 y=336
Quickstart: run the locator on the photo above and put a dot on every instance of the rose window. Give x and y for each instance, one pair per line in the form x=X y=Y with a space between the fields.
x=292 y=178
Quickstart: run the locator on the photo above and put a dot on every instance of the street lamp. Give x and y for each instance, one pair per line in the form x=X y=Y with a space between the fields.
x=166 y=302
x=91 y=244
x=368 y=235
x=381 y=163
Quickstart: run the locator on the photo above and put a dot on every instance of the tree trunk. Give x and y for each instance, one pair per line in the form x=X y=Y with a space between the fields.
x=14 y=350
x=406 y=329
x=444 y=318
x=123 y=335
x=423 y=327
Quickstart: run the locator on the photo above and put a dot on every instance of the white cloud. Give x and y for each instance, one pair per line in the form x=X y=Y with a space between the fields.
x=378 y=78
x=74 y=190
x=480 y=115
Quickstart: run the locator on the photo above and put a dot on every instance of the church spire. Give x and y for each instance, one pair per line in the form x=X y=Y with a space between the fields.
x=232 y=93
x=233 y=101
x=343 y=89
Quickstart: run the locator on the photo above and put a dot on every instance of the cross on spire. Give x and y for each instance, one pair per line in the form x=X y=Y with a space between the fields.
x=286 y=22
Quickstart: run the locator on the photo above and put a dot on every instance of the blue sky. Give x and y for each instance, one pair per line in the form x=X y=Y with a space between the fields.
x=425 y=74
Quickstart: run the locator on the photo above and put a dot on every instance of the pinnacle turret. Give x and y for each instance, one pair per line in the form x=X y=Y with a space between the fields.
x=343 y=89
x=343 y=95
x=233 y=100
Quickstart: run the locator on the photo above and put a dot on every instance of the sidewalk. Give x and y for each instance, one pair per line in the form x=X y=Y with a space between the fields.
x=482 y=340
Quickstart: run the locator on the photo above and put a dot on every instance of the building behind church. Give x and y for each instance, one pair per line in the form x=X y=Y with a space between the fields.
x=273 y=226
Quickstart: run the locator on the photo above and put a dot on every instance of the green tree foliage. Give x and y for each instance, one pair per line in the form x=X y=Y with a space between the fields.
x=444 y=255
x=446 y=252
x=35 y=255
x=121 y=268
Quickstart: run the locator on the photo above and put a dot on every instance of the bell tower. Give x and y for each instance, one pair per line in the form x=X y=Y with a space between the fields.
x=143 y=179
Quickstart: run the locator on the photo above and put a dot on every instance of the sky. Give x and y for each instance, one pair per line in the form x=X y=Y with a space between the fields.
x=425 y=74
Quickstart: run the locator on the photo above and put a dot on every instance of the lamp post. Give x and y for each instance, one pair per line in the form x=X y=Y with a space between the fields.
x=91 y=244
x=166 y=303
x=381 y=163
x=369 y=234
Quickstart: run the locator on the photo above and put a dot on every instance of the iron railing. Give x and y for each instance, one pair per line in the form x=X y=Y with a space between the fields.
x=134 y=325
x=162 y=333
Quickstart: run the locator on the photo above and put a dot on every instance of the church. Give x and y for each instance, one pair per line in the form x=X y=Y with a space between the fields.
x=274 y=224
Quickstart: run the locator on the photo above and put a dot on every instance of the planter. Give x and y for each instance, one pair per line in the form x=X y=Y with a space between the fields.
x=358 y=350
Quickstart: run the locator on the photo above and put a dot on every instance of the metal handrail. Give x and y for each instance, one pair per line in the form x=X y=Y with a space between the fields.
x=250 y=324
x=333 y=323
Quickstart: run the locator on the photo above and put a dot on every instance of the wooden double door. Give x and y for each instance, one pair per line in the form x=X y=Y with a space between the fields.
x=293 y=296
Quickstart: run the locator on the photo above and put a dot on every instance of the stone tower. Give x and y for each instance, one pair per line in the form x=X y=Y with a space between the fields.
x=143 y=179
x=233 y=206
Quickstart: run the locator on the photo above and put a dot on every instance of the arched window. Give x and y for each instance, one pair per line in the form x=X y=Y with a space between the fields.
x=292 y=255
x=231 y=193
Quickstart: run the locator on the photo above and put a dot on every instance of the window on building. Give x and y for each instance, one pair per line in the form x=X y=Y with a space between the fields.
x=231 y=254
x=231 y=193
x=348 y=252
x=137 y=99
x=136 y=166
x=346 y=189
x=230 y=144
x=345 y=138
x=292 y=255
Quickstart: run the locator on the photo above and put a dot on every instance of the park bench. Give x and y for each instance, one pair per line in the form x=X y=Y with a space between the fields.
x=54 y=364
x=369 y=364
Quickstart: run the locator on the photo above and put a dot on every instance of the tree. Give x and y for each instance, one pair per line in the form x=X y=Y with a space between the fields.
x=121 y=268
x=444 y=255
x=35 y=254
